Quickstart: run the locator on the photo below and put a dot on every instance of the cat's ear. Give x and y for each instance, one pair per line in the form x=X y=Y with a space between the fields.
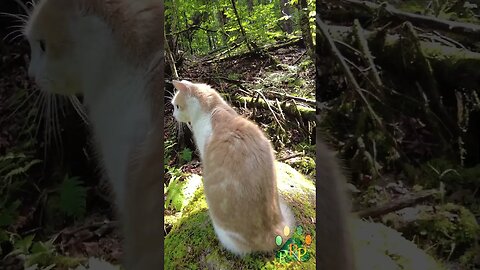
x=182 y=85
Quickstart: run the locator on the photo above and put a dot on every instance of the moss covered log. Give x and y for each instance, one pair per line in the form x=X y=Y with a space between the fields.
x=453 y=67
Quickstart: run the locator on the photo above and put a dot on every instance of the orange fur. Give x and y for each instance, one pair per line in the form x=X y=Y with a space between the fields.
x=238 y=171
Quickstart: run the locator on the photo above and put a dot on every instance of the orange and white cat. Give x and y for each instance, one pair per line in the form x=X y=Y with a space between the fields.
x=238 y=171
x=111 y=52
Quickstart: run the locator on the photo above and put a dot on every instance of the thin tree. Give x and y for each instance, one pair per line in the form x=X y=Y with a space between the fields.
x=240 y=25
x=305 y=27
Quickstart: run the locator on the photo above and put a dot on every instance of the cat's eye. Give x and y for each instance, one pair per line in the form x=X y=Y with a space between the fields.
x=178 y=107
x=42 y=45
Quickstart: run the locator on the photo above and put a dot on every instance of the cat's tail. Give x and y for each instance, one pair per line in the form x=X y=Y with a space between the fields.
x=288 y=220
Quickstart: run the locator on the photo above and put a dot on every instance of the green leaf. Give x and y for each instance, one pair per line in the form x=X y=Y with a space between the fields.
x=41 y=247
x=175 y=197
x=186 y=155
x=73 y=197
x=23 y=245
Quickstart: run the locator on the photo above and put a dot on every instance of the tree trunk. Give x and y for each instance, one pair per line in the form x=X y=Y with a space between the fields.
x=222 y=19
x=305 y=26
x=286 y=11
x=240 y=25
x=250 y=6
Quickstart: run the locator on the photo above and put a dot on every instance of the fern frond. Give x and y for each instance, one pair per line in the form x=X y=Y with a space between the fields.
x=73 y=197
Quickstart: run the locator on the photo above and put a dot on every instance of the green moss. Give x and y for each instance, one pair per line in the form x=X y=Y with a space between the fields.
x=445 y=227
x=304 y=164
x=374 y=195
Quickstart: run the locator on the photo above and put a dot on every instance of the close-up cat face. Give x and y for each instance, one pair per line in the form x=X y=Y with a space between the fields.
x=68 y=49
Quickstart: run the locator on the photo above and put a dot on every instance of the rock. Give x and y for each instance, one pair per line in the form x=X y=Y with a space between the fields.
x=379 y=247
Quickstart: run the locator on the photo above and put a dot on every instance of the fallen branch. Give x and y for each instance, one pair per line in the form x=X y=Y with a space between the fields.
x=282 y=95
x=396 y=205
x=363 y=44
x=290 y=157
x=276 y=94
x=468 y=29
x=291 y=42
x=289 y=108
x=352 y=83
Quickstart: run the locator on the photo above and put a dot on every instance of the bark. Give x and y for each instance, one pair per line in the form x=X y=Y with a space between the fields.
x=240 y=25
x=305 y=26
x=222 y=19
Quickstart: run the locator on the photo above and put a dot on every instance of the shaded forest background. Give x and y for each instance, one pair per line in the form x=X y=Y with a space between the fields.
x=398 y=85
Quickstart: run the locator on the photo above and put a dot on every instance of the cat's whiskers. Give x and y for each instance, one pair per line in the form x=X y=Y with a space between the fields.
x=79 y=108
x=57 y=137
x=20 y=17
x=171 y=94
x=29 y=96
x=18 y=28
x=17 y=32
x=40 y=104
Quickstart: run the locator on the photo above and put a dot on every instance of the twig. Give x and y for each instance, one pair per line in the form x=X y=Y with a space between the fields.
x=215 y=57
x=171 y=60
x=270 y=108
x=280 y=109
x=282 y=95
x=396 y=205
x=348 y=73
x=363 y=44
x=298 y=59
x=290 y=157
x=430 y=83
x=90 y=226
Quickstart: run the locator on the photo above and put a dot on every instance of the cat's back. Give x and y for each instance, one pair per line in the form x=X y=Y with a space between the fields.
x=234 y=134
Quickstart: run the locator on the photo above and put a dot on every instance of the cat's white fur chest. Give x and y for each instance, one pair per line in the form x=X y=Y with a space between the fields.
x=202 y=130
x=116 y=98
x=120 y=118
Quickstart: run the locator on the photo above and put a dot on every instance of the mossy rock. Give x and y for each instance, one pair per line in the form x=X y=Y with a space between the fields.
x=440 y=228
x=304 y=164
x=192 y=243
